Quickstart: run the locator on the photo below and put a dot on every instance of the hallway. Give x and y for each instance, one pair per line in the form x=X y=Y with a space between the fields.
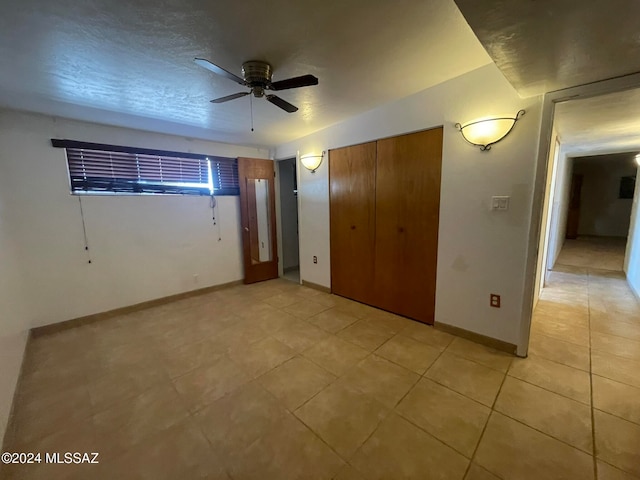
x=585 y=347
x=604 y=253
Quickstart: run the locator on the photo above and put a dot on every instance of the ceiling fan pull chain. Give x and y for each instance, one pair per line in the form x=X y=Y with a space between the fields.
x=251 y=106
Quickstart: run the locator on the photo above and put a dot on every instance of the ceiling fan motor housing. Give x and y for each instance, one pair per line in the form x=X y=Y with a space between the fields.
x=258 y=75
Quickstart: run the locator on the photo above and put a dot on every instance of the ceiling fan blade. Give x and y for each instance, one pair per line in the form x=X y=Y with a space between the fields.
x=278 y=102
x=295 y=82
x=230 y=97
x=218 y=70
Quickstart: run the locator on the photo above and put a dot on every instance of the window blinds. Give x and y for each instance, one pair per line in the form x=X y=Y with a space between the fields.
x=95 y=168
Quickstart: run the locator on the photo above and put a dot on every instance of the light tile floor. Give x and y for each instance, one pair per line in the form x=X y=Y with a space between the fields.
x=278 y=381
x=293 y=275
x=605 y=253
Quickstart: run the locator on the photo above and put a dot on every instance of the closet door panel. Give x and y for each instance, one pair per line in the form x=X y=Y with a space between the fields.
x=352 y=182
x=407 y=214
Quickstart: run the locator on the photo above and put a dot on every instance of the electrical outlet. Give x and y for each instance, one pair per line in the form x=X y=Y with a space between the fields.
x=195 y=278
x=494 y=300
x=315 y=259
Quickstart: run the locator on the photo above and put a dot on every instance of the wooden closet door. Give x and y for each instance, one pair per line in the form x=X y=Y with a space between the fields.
x=407 y=213
x=352 y=182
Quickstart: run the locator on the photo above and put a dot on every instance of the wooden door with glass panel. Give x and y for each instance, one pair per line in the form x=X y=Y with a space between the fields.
x=258 y=219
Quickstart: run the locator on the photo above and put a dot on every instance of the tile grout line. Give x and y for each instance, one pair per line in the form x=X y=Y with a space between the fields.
x=546 y=434
x=338 y=377
x=589 y=371
x=317 y=435
x=634 y=360
x=434 y=362
x=633 y=422
x=430 y=434
x=477 y=362
x=411 y=388
x=593 y=424
x=390 y=412
x=455 y=391
x=549 y=337
x=419 y=427
x=466 y=472
x=484 y=429
x=491 y=410
x=551 y=391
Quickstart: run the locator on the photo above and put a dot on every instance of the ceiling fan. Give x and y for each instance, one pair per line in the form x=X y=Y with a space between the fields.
x=257 y=76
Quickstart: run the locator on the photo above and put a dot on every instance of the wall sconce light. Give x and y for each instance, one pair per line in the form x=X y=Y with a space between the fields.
x=638 y=159
x=312 y=161
x=484 y=133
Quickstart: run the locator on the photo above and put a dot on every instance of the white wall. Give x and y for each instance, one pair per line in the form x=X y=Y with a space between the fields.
x=14 y=320
x=632 y=258
x=480 y=251
x=289 y=213
x=142 y=247
x=602 y=213
x=560 y=208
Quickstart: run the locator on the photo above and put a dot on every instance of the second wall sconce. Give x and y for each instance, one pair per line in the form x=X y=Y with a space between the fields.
x=311 y=161
x=487 y=132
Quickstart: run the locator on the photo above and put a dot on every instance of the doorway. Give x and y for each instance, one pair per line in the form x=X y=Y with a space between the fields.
x=591 y=218
x=589 y=230
x=289 y=219
x=599 y=211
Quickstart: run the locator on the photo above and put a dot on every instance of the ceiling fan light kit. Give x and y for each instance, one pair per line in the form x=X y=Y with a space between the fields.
x=257 y=76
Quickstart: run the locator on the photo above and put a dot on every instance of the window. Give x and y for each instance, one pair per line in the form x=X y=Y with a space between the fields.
x=97 y=168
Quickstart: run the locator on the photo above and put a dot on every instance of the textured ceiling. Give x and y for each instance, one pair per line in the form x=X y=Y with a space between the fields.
x=606 y=123
x=547 y=45
x=130 y=63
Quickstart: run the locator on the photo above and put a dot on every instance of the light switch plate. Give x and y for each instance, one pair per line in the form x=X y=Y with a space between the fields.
x=500 y=203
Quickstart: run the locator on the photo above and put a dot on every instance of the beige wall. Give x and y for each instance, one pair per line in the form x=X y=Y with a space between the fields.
x=14 y=318
x=602 y=213
x=632 y=258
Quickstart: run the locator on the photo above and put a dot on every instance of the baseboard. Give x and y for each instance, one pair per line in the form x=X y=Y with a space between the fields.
x=635 y=292
x=477 y=338
x=588 y=235
x=315 y=286
x=75 y=322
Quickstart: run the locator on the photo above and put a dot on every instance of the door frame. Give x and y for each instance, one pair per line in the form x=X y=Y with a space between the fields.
x=296 y=157
x=547 y=219
x=550 y=100
x=279 y=211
